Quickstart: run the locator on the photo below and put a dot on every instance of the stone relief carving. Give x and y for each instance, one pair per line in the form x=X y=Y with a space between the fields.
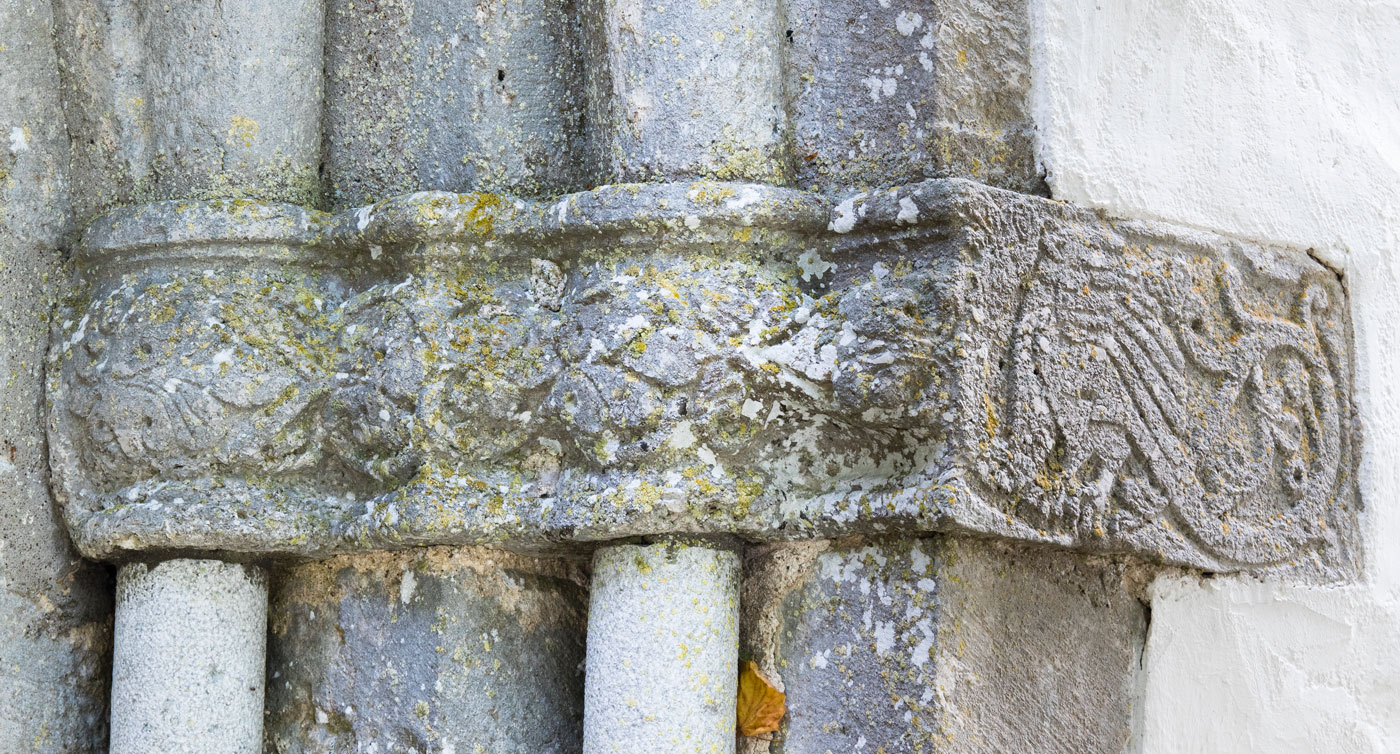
x=1140 y=385
x=701 y=358
x=176 y=370
x=227 y=396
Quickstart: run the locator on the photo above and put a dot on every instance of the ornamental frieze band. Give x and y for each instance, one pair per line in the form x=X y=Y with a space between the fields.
x=699 y=358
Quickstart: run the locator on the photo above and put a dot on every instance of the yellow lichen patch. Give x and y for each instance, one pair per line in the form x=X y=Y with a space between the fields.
x=1051 y=474
x=481 y=215
x=704 y=192
x=992 y=420
x=746 y=494
x=647 y=496
x=243 y=129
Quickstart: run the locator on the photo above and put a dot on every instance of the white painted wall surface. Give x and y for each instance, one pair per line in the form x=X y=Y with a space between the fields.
x=1277 y=120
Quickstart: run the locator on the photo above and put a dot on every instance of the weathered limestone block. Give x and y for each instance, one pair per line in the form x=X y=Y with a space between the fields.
x=437 y=650
x=688 y=89
x=458 y=95
x=902 y=90
x=663 y=641
x=192 y=100
x=55 y=609
x=190 y=650
x=943 y=645
x=707 y=358
x=204 y=361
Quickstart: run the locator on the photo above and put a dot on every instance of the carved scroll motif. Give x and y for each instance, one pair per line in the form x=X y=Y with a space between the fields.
x=1143 y=384
x=172 y=376
x=456 y=369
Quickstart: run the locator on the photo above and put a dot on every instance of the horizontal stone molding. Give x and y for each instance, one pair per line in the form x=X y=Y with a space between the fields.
x=700 y=358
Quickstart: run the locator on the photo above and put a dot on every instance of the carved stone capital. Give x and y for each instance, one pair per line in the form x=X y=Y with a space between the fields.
x=701 y=358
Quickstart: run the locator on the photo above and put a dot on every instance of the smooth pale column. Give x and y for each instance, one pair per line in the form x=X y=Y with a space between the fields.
x=663 y=634
x=188 y=660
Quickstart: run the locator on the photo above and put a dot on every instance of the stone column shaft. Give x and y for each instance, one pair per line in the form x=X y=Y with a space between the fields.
x=691 y=89
x=189 y=658
x=233 y=100
x=662 y=650
x=453 y=95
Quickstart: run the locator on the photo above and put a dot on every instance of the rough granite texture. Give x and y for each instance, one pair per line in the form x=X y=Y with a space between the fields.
x=707 y=358
x=943 y=645
x=187 y=671
x=435 y=650
x=55 y=609
x=663 y=640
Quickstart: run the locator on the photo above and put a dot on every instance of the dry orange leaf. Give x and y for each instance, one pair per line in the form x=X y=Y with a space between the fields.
x=761 y=706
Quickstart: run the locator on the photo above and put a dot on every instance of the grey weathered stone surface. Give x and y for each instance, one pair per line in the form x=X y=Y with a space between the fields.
x=239 y=375
x=535 y=97
x=232 y=98
x=103 y=103
x=457 y=95
x=702 y=358
x=688 y=89
x=890 y=93
x=55 y=610
x=188 y=659
x=943 y=645
x=663 y=642
x=193 y=99
x=434 y=650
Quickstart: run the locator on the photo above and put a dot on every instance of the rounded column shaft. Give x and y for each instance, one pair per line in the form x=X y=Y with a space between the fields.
x=188 y=660
x=691 y=89
x=233 y=97
x=456 y=95
x=662 y=650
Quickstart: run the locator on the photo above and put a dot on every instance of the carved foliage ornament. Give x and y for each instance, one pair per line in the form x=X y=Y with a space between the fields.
x=700 y=358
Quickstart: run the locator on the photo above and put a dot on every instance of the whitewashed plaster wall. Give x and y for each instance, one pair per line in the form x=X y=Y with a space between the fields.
x=1275 y=120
